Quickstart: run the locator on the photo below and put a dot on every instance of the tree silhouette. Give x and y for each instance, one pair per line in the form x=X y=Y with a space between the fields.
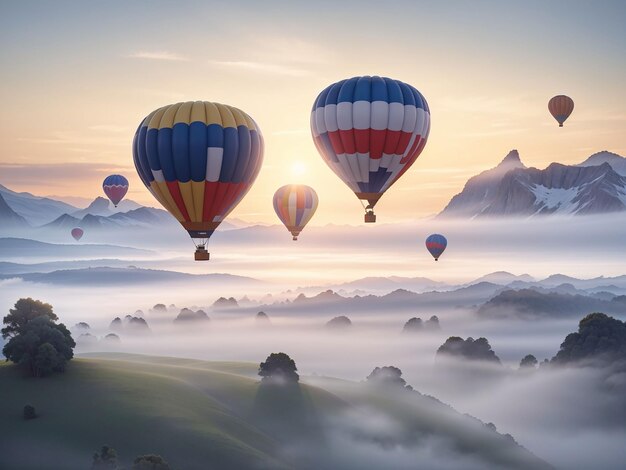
x=150 y=462
x=105 y=459
x=280 y=368
x=42 y=346
x=528 y=362
x=23 y=312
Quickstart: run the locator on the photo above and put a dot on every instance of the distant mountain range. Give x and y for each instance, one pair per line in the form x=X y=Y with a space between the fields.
x=20 y=213
x=597 y=185
x=124 y=276
x=9 y=217
x=17 y=248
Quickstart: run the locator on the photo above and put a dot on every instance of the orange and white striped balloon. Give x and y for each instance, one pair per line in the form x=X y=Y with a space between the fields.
x=295 y=204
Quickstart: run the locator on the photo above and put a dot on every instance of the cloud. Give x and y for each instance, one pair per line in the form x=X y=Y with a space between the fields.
x=55 y=174
x=158 y=55
x=262 y=67
x=78 y=140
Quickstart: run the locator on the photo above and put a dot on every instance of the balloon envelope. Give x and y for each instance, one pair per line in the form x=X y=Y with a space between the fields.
x=115 y=187
x=77 y=233
x=561 y=107
x=295 y=204
x=370 y=130
x=436 y=245
x=198 y=159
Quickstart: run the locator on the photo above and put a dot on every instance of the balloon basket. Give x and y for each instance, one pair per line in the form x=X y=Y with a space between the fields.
x=370 y=218
x=295 y=239
x=201 y=254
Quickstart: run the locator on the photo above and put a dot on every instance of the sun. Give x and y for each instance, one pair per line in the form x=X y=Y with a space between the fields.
x=298 y=169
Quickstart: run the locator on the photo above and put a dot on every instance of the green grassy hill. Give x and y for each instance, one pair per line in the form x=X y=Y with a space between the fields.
x=196 y=414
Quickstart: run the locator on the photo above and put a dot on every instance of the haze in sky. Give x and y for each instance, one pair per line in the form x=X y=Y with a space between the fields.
x=79 y=77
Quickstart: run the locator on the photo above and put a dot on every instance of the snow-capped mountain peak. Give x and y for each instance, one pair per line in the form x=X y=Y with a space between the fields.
x=594 y=186
x=617 y=162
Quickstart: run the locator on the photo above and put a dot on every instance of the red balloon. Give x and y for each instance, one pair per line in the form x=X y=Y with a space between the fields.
x=77 y=233
x=561 y=107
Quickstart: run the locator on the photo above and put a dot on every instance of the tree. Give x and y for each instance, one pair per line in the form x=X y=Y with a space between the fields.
x=116 y=324
x=187 y=315
x=388 y=376
x=412 y=325
x=432 y=323
x=478 y=350
x=112 y=337
x=339 y=323
x=279 y=367
x=599 y=338
x=29 y=412
x=528 y=362
x=105 y=459
x=262 y=317
x=42 y=346
x=23 y=312
x=150 y=462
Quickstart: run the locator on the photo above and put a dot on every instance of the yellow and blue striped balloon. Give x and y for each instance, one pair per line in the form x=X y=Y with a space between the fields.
x=198 y=159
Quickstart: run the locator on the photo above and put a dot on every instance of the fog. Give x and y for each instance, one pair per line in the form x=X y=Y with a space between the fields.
x=572 y=418
x=577 y=246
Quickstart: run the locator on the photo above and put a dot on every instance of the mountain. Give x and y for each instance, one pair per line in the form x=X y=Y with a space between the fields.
x=129 y=276
x=504 y=278
x=617 y=162
x=36 y=210
x=9 y=218
x=511 y=189
x=103 y=207
x=481 y=189
x=143 y=217
x=99 y=206
x=21 y=248
x=531 y=304
x=400 y=300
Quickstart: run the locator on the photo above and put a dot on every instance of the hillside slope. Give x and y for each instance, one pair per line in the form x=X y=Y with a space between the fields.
x=204 y=415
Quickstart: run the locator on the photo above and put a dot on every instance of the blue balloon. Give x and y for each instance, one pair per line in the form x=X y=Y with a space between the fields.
x=436 y=244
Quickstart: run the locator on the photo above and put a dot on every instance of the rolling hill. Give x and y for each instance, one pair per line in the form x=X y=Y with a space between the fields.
x=205 y=415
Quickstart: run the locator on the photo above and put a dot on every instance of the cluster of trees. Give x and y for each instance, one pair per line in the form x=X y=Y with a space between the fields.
x=470 y=348
x=388 y=376
x=416 y=324
x=188 y=315
x=131 y=323
x=224 y=302
x=35 y=340
x=600 y=338
x=106 y=459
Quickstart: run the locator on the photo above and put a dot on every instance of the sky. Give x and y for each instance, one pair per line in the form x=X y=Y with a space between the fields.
x=78 y=77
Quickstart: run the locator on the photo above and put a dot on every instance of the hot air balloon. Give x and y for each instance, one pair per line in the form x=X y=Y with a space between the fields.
x=115 y=188
x=295 y=204
x=198 y=159
x=370 y=130
x=561 y=107
x=436 y=245
x=77 y=233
